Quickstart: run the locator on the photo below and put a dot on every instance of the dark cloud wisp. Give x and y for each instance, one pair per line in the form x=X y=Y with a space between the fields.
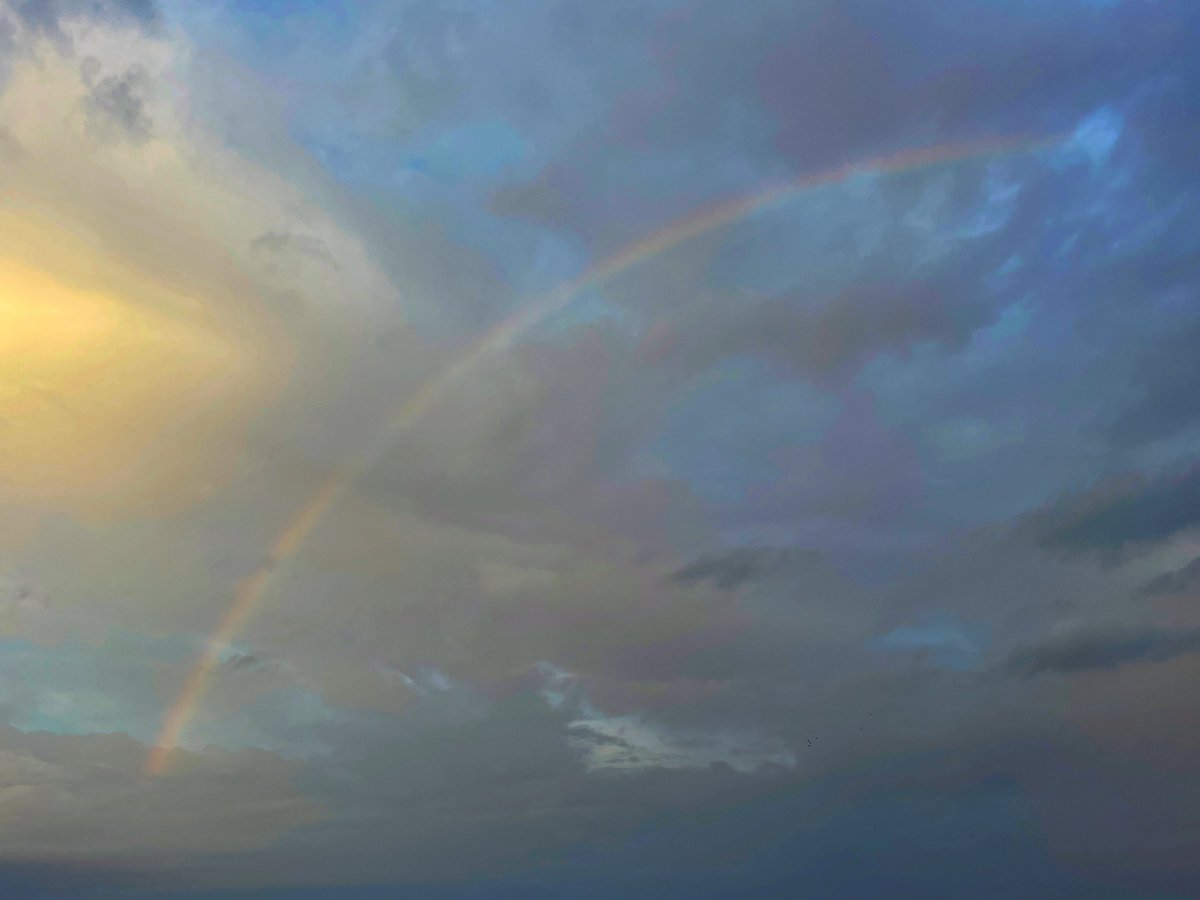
x=731 y=569
x=1101 y=650
x=1175 y=581
x=1120 y=516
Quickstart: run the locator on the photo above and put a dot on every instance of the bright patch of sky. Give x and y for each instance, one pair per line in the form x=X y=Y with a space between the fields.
x=995 y=211
x=947 y=643
x=632 y=742
x=637 y=742
x=1096 y=135
x=57 y=688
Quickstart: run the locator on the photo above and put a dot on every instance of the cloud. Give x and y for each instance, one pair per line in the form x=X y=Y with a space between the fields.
x=566 y=622
x=947 y=643
x=301 y=244
x=1120 y=516
x=1101 y=649
x=10 y=147
x=798 y=88
x=1164 y=381
x=66 y=789
x=1175 y=582
x=238 y=662
x=116 y=101
x=824 y=339
x=731 y=569
x=51 y=18
x=145 y=243
x=840 y=88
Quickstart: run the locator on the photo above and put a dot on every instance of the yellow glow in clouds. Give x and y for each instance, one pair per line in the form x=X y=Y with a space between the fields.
x=95 y=391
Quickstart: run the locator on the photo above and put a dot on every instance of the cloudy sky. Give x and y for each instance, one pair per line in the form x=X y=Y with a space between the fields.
x=556 y=448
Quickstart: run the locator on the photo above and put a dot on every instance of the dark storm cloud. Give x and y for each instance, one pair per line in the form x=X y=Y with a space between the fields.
x=1101 y=649
x=1174 y=582
x=1120 y=516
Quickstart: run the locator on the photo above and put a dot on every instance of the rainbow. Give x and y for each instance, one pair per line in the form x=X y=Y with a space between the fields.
x=301 y=525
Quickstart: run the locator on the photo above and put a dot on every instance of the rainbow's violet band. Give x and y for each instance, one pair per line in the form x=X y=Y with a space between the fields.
x=300 y=526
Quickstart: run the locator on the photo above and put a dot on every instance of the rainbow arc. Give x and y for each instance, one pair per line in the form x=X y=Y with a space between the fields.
x=300 y=527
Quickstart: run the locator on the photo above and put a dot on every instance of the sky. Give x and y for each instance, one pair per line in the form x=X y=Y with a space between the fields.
x=660 y=449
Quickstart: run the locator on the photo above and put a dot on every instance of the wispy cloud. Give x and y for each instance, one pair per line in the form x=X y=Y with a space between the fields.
x=1101 y=649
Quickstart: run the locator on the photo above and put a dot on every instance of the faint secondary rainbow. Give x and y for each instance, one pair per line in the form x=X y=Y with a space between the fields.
x=299 y=528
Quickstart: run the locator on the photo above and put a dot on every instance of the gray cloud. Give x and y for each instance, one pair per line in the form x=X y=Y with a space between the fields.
x=1101 y=649
x=65 y=788
x=10 y=147
x=1174 y=582
x=807 y=86
x=826 y=340
x=46 y=17
x=1120 y=516
x=238 y=662
x=838 y=87
x=118 y=102
x=1165 y=379
x=276 y=242
x=731 y=569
